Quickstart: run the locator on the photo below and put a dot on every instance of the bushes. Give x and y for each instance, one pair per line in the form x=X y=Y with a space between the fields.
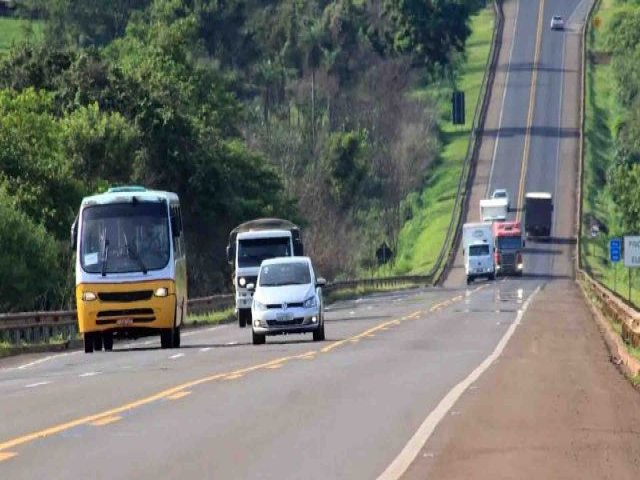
x=29 y=269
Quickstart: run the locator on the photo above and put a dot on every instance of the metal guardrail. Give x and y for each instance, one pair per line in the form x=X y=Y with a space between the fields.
x=36 y=327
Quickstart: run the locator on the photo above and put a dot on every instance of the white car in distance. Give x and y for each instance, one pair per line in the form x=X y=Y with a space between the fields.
x=557 y=23
x=500 y=193
x=287 y=299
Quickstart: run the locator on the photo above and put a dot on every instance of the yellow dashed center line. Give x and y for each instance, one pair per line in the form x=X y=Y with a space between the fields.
x=105 y=421
x=7 y=455
x=178 y=395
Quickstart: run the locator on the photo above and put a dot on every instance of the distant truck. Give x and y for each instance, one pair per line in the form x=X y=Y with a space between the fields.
x=478 y=248
x=538 y=207
x=508 y=242
x=249 y=244
x=494 y=209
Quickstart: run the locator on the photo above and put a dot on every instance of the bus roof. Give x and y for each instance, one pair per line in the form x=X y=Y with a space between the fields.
x=122 y=195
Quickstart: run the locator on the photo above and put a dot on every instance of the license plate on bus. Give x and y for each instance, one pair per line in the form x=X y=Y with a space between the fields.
x=124 y=321
x=284 y=317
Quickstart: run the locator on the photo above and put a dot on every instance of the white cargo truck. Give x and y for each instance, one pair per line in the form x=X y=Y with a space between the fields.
x=494 y=209
x=249 y=244
x=478 y=251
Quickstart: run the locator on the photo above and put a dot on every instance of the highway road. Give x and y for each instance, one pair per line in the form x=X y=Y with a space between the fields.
x=505 y=379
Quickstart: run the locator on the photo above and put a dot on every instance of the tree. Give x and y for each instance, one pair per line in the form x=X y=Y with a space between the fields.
x=428 y=30
x=29 y=269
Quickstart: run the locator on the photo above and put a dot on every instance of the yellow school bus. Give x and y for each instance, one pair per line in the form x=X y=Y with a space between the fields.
x=131 y=271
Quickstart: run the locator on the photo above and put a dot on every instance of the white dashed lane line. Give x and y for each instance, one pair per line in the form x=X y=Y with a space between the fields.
x=89 y=374
x=177 y=355
x=37 y=384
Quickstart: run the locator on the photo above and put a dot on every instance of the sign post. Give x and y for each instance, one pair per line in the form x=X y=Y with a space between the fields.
x=631 y=255
x=615 y=252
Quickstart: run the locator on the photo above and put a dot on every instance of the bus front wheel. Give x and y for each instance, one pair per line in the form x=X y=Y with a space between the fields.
x=107 y=339
x=88 y=342
x=244 y=317
x=170 y=338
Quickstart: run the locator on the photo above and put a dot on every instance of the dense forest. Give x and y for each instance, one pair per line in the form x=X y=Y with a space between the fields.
x=245 y=108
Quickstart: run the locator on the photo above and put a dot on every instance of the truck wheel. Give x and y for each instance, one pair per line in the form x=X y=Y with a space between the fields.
x=97 y=341
x=492 y=276
x=107 y=339
x=258 y=339
x=469 y=280
x=244 y=316
x=88 y=342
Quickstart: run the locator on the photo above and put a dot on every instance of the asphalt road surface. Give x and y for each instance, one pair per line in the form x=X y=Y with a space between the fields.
x=504 y=379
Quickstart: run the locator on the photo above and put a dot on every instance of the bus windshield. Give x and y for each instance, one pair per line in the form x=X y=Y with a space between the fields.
x=478 y=250
x=125 y=237
x=251 y=252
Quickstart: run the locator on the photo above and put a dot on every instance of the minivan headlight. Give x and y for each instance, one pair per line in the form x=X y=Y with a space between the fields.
x=310 y=302
x=261 y=307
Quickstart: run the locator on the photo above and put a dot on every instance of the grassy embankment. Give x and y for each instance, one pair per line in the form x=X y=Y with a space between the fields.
x=422 y=237
x=602 y=114
x=14 y=30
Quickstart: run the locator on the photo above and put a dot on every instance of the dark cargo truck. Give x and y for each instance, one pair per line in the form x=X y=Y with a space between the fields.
x=538 y=207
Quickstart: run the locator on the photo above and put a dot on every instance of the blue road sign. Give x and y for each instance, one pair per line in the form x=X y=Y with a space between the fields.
x=615 y=249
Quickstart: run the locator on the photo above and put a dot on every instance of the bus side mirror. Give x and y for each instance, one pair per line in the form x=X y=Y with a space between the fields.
x=74 y=234
x=251 y=287
x=231 y=254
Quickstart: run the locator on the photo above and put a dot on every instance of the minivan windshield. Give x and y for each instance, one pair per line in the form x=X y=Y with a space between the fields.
x=478 y=250
x=291 y=273
x=125 y=237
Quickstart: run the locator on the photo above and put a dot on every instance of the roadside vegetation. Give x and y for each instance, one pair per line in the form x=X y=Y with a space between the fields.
x=429 y=211
x=15 y=30
x=326 y=112
x=612 y=148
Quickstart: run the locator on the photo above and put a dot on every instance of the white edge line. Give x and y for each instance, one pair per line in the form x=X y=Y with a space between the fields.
x=411 y=450
x=504 y=98
x=37 y=384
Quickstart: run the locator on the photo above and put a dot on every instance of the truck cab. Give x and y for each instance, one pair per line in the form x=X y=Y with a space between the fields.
x=508 y=248
x=249 y=244
x=478 y=251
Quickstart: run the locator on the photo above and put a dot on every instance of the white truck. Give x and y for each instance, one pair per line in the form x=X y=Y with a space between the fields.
x=249 y=244
x=494 y=209
x=478 y=251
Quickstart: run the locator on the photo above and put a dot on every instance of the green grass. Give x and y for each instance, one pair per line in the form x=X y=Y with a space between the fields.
x=602 y=113
x=14 y=30
x=212 y=318
x=422 y=237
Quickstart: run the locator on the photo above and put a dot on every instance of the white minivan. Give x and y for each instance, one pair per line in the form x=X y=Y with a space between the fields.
x=287 y=299
x=478 y=251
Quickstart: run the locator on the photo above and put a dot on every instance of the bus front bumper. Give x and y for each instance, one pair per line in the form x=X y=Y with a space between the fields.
x=126 y=306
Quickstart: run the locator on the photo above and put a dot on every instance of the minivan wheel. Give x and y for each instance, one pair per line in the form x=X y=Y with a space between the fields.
x=258 y=338
x=318 y=334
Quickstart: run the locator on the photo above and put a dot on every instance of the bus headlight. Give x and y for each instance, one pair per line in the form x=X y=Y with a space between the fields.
x=89 y=296
x=161 y=292
x=242 y=282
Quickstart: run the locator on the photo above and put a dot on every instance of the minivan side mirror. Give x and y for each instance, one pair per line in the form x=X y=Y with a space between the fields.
x=320 y=282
